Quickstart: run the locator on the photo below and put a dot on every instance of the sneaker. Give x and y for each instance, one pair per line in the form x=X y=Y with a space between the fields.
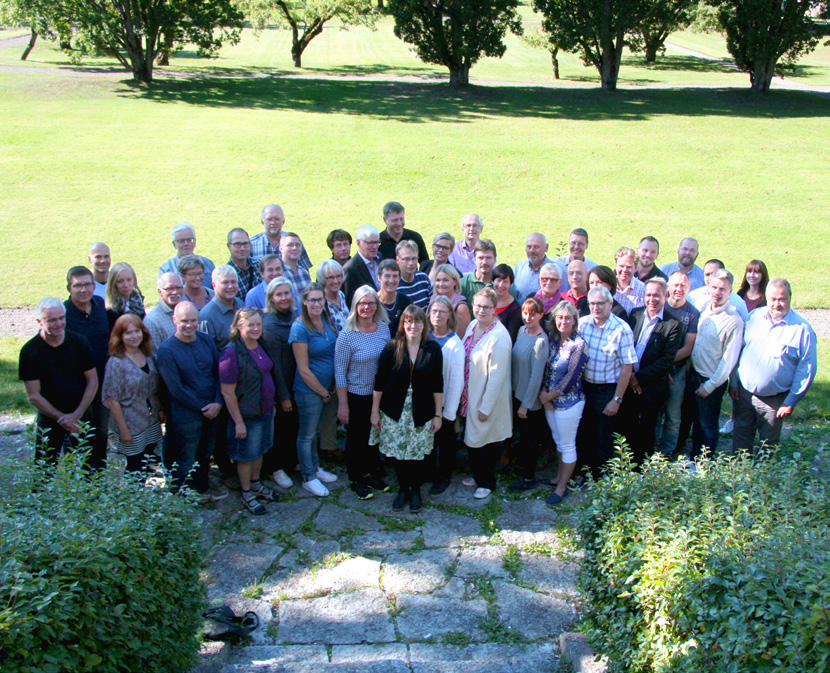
x=281 y=479
x=325 y=477
x=468 y=481
x=362 y=491
x=379 y=485
x=481 y=493
x=253 y=505
x=439 y=487
x=522 y=484
x=265 y=493
x=315 y=487
x=727 y=428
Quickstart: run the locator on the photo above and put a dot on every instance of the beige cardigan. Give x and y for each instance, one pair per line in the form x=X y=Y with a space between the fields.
x=489 y=388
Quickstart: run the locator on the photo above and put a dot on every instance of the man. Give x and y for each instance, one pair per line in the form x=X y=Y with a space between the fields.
x=700 y=297
x=184 y=240
x=656 y=341
x=362 y=268
x=58 y=372
x=678 y=402
x=526 y=272
x=268 y=242
x=577 y=245
x=395 y=232
x=462 y=256
x=611 y=357
x=100 y=259
x=270 y=267
x=686 y=256
x=291 y=251
x=482 y=276
x=715 y=354
x=577 y=280
x=630 y=291
x=159 y=320
x=647 y=253
x=413 y=284
x=189 y=366
x=777 y=367
x=340 y=244
x=217 y=315
x=241 y=261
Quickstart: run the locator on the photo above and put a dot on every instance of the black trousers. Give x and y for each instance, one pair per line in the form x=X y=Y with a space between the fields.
x=51 y=437
x=410 y=473
x=442 y=459
x=595 y=437
x=283 y=455
x=362 y=460
x=638 y=419
x=483 y=462
x=533 y=431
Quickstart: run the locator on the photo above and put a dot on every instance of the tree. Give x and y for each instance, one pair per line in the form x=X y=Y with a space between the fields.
x=136 y=32
x=766 y=37
x=455 y=33
x=540 y=39
x=595 y=29
x=663 y=18
x=33 y=14
x=308 y=16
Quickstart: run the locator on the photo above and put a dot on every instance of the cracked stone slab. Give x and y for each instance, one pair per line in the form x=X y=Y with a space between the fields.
x=350 y=575
x=358 y=617
x=287 y=515
x=455 y=588
x=523 y=537
x=481 y=560
x=531 y=614
x=484 y=658
x=443 y=529
x=418 y=573
x=528 y=516
x=421 y=617
x=260 y=656
x=333 y=520
x=315 y=551
x=236 y=566
x=550 y=575
x=383 y=543
x=368 y=653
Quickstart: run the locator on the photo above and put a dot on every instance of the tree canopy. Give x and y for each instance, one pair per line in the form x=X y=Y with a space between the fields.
x=658 y=22
x=455 y=33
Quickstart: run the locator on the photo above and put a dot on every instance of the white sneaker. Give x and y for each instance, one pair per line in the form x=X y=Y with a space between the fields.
x=316 y=488
x=468 y=481
x=481 y=493
x=324 y=476
x=282 y=479
x=727 y=428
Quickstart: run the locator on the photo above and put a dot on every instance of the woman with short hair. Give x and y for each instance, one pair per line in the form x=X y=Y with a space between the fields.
x=442 y=245
x=550 y=280
x=602 y=276
x=508 y=310
x=192 y=272
x=448 y=284
x=330 y=276
x=123 y=293
x=389 y=277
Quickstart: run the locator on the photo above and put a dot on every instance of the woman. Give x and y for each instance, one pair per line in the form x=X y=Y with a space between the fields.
x=192 y=271
x=485 y=399
x=508 y=310
x=359 y=346
x=280 y=312
x=312 y=339
x=330 y=276
x=442 y=245
x=407 y=404
x=562 y=394
x=246 y=378
x=530 y=355
x=448 y=284
x=442 y=326
x=602 y=276
x=130 y=391
x=754 y=285
x=389 y=277
x=123 y=294
x=550 y=280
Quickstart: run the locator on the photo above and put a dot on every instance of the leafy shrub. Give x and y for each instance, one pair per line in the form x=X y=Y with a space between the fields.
x=96 y=573
x=726 y=568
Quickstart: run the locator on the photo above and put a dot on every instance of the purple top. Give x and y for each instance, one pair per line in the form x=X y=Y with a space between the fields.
x=229 y=373
x=564 y=371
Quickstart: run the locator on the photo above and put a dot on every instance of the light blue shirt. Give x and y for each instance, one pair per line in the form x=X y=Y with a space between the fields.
x=778 y=357
x=700 y=300
x=256 y=296
x=563 y=262
x=172 y=266
x=696 y=278
x=215 y=320
x=527 y=279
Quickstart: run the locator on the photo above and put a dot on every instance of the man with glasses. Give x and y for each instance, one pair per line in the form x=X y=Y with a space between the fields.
x=463 y=255
x=270 y=267
x=413 y=283
x=527 y=272
x=241 y=261
x=184 y=240
x=395 y=232
x=159 y=321
x=362 y=268
x=291 y=251
x=611 y=358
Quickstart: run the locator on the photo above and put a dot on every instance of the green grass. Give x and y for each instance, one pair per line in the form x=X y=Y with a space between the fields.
x=12 y=393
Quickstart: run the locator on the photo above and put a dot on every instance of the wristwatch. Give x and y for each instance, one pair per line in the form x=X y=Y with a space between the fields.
x=618 y=399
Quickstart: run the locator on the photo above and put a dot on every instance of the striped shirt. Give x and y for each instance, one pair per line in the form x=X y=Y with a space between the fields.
x=609 y=348
x=356 y=358
x=419 y=290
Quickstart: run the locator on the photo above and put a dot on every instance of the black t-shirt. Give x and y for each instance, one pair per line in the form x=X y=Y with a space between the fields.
x=60 y=369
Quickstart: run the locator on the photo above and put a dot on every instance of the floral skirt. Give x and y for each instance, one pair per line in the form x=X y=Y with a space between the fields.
x=401 y=439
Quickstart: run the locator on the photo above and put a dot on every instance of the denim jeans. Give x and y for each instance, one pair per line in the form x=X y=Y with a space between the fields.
x=310 y=411
x=672 y=410
x=191 y=441
x=705 y=414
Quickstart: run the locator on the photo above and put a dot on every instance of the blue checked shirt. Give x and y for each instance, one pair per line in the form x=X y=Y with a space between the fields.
x=609 y=348
x=261 y=246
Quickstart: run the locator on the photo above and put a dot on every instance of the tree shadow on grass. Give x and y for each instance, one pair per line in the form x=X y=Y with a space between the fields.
x=681 y=63
x=420 y=102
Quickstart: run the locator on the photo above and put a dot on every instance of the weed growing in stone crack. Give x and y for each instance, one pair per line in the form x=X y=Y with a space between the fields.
x=303 y=557
x=511 y=560
x=285 y=538
x=540 y=549
x=487 y=517
x=257 y=533
x=417 y=545
x=391 y=523
x=273 y=629
x=483 y=585
x=394 y=610
x=568 y=538
x=449 y=573
x=455 y=638
x=347 y=536
x=229 y=525
x=289 y=496
x=332 y=560
x=496 y=630
x=309 y=529
x=252 y=590
x=460 y=510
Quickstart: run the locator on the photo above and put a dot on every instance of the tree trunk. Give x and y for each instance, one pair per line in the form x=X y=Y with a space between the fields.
x=609 y=67
x=143 y=72
x=459 y=76
x=380 y=5
x=297 y=54
x=555 y=62
x=652 y=47
x=761 y=77
x=30 y=46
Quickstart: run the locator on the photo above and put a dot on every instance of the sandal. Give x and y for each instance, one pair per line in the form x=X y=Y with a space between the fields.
x=265 y=493
x=254 y=507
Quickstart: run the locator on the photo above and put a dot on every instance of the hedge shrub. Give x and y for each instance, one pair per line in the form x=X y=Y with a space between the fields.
x=726 y=568
x=97 y=573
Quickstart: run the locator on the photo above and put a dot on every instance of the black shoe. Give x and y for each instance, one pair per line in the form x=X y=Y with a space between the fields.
x=362 y=491
x=401 y=499
x=439 y=487
x=522 y=484
x=379 y=485
x=415 y=502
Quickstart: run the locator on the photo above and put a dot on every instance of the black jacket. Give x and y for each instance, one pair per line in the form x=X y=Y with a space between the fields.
x=355 y=275
x=663 y=344
x=426 y=377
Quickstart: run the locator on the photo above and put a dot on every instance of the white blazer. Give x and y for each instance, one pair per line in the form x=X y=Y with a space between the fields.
x=453 y=353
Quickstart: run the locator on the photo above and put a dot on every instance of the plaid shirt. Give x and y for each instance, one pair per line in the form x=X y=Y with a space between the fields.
x=261 y=246
x=299 y=278
x=633 y=297
x=609 y=348
x=248 y=278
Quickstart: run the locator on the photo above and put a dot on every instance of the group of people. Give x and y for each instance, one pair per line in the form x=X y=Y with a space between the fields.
x=255 y=364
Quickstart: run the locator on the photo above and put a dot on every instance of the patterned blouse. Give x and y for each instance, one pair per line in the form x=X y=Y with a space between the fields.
x=339 y=314
x=564 y=371
x=137 y=393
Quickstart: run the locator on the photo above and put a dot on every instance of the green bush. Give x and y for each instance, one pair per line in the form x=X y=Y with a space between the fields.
x=97 y=573
x=726 y=568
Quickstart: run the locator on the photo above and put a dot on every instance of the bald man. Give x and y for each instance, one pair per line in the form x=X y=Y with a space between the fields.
x=526 y=272
x=100 y=261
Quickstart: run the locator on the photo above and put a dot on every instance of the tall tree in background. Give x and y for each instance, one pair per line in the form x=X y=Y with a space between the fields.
x=36 y=15
x=595 y=29
x=455 y=33
x=767 y=36
x=660 y=20
x=306 y=18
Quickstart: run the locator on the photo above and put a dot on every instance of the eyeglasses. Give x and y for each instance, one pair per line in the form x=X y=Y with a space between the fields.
x=82 y=286
x=184 y=240
x=550 y=280
x=435 y=246
x=194 y=274
x=315 y=300
x=367 y=303
x=484 y=309
x=409 y=260
x=372 y=242
x=241 y=244
x=339 y=276
x=177 y=288
x=597 y=303
x=408 y=321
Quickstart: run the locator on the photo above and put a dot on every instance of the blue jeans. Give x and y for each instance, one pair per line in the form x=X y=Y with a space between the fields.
x=310 y=411
x=672 y=410
x=705 y=414
x=190 y=445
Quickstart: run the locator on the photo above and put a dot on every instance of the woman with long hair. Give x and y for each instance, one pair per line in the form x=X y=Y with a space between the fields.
x=130 y=391
x=754 y=285
x=123 y=293
x=407 y=403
